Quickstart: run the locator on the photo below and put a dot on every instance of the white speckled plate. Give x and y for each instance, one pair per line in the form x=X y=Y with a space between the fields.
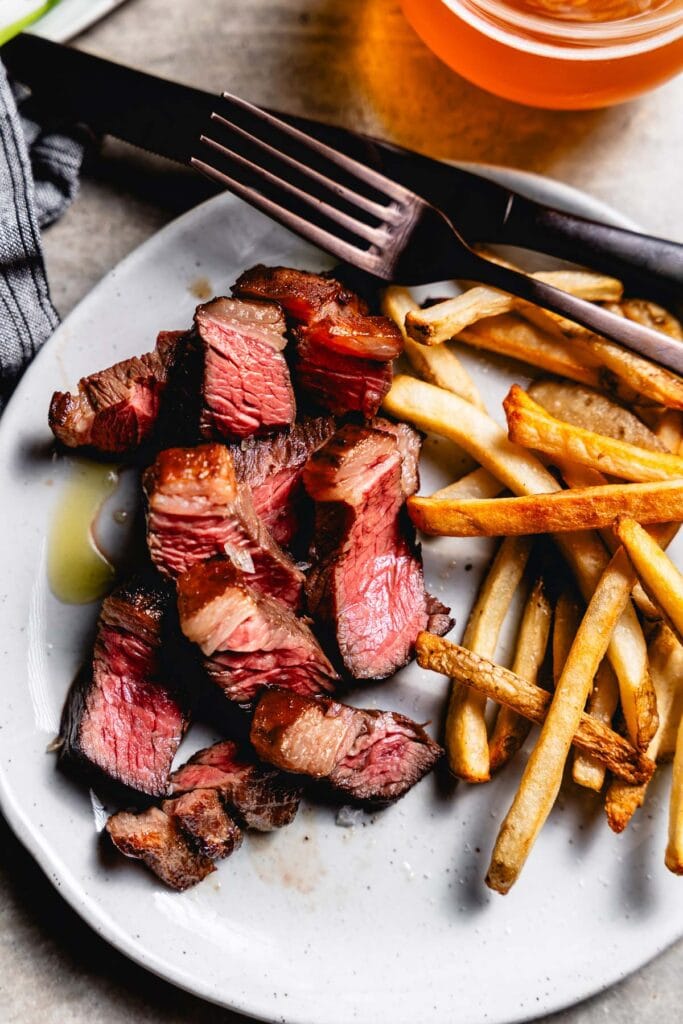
x=388 y=920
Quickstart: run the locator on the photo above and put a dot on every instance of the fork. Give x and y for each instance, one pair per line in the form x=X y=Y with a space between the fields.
x=376 y=225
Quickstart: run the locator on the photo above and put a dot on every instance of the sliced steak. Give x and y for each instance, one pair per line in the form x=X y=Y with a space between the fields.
x=238 y=372
x=249 y=640
x=197 y=510
x=203 y=818
x=115 y=411
x=157 y=839
x=262 y=797
x=273 y=469
x=371 y=757
x=123 y=718
x=367 y=586
x=343 y=355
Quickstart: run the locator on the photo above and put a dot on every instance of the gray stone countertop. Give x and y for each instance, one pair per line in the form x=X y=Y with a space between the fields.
x=355 y=62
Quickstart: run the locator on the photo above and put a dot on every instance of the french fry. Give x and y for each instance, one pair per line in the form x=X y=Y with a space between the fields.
x=438 y=365
x=586 y=508
x=506 y=688
x=644 y=378
x=467 y=745
x=587 y=771
x=477 y=484
x=588 y=408
x=666 y=666
x=509 y=335
x=530 y=425
x=566 y=622
x=510 y=729
x=660 y=577
x=542 y=775
x=432 y=409
x=642 y=311
x=674 y=849
x=446 y=319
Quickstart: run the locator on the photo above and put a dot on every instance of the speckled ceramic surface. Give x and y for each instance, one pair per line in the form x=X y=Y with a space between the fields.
x=386 y=920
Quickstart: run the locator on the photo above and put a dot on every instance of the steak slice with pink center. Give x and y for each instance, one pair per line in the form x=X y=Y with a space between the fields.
x=273 y=468
x=246 y=388
x=123 y=718
x=343 y=355
x=249 y=641
x=371 y=757
x=367 y=586
x=197 y=510
x=115 y=410
x=262 y=798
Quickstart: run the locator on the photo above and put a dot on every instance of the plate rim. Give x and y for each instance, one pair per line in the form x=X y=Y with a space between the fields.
x=37 y=843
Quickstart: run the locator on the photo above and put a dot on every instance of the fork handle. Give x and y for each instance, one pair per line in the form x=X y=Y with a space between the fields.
x=654 y=264
x=651 y=344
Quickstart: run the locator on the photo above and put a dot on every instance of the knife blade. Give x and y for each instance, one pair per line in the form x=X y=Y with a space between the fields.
x=167 y=118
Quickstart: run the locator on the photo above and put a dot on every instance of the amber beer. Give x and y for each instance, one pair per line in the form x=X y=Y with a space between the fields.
x=562 y=54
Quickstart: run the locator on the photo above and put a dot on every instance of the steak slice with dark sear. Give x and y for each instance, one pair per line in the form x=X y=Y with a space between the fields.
x=273 y=469
x=409 y=444
x=303 y=296
x=249 y=640
x=263 y=798
x=368 y=584
x=203 y=818
x=115 y=410
x=197 y=510
x=371 y=757
x=124 y=718
x=343 y=355
x=157 y=839
x=245 y=387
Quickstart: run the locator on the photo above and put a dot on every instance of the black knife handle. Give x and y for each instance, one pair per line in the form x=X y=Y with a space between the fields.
x=654 y=264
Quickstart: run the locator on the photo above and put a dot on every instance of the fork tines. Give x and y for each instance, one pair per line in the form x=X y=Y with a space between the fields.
x=331 y=199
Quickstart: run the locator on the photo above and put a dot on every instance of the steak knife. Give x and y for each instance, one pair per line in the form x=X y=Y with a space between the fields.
x=167 y=118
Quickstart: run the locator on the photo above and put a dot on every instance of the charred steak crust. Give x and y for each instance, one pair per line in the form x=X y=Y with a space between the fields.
x=124 y=717
x=367 y=586
x=273 y=469
x=115 y=411
x=371 y=757
x=157 y=839
x=205 y=822
x=343 y=355
x=249 y=640
x=260 y=797
x=197 y=510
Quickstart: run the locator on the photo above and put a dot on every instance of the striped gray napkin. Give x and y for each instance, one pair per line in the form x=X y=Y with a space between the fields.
x=39 y=169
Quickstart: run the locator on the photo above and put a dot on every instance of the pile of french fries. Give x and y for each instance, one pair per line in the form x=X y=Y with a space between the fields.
x=592 y=459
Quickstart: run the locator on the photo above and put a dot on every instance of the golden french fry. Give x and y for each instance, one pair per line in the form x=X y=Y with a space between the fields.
x=660 y=577
x=446 y=319
x=566 y=623
x=432 y=409
x=649 y=314
x=674 y=850
x=588 y=408
x=666 y=666
x=542 y=776
x=512 y=691
x=467 y=745
x=438 y=365
x=477 y=484
x=511 y=729
x=586 y=508
x=587 y=771
x=509 y=335
x=530 y=425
